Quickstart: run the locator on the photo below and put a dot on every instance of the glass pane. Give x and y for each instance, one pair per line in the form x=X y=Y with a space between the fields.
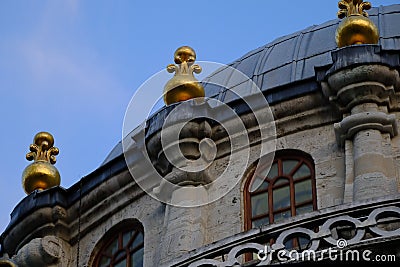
x=137 y=258
x=281 y=216
x=120 y=255
x=121 y=264
x=304 y=209
x=138 y=240
x=281 y=181
x=304 y=242
x=289 y=244
x=258 y=184
x=281 y=197
x=126 y=238
x=303 y=171
x=259 y=204
x=303 y=191
x=273 y=172
x=288 y=165
x=297 y=243
x=260 y=222
x=104 y=262
x=112 y=248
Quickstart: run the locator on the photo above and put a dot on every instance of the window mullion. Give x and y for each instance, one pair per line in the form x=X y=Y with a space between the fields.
x=278 y=174
x=292 y=197
x=270 y=204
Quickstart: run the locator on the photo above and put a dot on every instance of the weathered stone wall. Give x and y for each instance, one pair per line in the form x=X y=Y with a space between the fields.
x=311 y=131
x=145 y=209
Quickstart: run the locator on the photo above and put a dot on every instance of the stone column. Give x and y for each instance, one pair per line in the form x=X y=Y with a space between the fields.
x=364 y=88
x=181 y=151
x=185 y=225
x=374 y=170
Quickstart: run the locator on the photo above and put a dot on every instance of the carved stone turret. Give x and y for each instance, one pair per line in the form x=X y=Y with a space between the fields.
x=365 y=90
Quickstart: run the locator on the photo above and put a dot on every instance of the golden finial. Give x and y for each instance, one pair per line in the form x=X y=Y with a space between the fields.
x=356 y=27
x=183 y=85
x=353 y=7
x=41 y=174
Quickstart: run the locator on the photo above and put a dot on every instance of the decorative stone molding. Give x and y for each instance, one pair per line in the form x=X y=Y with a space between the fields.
x=47 y=251
x=184 y=145
x=183 y=137
x=361 y=74
x=349 y=126
x=44 y=221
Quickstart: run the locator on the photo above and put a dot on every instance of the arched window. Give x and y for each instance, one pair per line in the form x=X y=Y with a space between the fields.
x=123 y=247
x=287 y=190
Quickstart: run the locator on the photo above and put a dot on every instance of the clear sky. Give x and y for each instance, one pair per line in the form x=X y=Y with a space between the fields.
x=70 y=67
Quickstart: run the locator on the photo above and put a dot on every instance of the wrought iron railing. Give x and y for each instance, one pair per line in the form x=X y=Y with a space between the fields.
x=334 y=229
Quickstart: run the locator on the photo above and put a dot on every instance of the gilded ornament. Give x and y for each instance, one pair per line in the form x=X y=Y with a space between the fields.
x=355 y=28
x=41 y=174
x=183 y=85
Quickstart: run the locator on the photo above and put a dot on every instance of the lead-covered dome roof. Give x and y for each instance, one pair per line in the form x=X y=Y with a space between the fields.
x=289 y=61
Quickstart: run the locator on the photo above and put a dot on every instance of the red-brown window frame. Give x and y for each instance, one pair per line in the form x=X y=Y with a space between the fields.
x=118 y=232
x=281 y=156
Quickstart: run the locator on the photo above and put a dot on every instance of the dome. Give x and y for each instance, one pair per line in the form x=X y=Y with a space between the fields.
x=285 y=68
x=291 y=60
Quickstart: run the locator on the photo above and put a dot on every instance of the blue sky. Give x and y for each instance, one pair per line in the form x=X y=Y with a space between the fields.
x=70 y=67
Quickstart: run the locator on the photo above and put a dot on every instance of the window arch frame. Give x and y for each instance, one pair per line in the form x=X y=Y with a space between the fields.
x=279 y=157
x=117 y=233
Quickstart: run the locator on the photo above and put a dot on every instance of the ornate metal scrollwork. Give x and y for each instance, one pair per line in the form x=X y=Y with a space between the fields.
x=319 y=239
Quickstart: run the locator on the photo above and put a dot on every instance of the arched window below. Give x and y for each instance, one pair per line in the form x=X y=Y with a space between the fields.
x=287 y=190
x=122 y=248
